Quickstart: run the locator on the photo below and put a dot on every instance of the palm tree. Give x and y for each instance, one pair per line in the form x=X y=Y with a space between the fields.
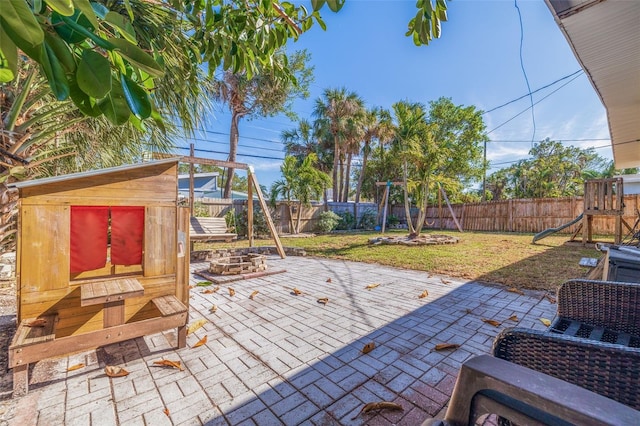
x=336 y=114
x=264 y=94
x=377 y=125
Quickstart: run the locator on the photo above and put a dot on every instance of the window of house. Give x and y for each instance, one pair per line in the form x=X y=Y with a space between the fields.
x=106 y=237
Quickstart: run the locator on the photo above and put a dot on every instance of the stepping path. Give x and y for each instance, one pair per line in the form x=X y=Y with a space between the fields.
x=282 y=358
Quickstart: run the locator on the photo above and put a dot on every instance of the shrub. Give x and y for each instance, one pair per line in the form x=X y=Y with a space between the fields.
x=328 y=221
x=368 y=219
x=260 y=227
x=392 y=220
x=347 y=221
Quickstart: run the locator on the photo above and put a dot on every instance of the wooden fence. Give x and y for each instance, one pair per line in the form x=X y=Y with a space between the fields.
x=518 y=215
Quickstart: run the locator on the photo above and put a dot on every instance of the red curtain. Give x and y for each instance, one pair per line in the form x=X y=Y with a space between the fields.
x=127 y=234
x=88 y=237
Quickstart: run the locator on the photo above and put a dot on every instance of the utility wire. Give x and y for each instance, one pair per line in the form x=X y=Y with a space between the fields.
x=226 y=153
x=528 y=108
x=533 y=115
x=535 y=91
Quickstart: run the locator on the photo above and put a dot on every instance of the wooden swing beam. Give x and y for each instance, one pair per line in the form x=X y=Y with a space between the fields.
x=253 y=183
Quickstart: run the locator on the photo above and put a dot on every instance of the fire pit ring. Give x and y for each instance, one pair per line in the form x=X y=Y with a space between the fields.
x=236 y=265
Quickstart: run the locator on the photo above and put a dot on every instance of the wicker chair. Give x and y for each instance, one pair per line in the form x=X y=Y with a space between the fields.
x=593 y=343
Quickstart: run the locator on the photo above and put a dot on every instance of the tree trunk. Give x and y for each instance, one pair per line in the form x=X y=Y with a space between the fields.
x=340 y=180
x=407 y=210
x=347 y=179
x=234 y=134
x=336 y=160
x=291 y=226
x=298 y=218
x=361 y=178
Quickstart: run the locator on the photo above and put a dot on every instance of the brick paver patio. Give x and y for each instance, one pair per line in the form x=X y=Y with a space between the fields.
x=287 y=359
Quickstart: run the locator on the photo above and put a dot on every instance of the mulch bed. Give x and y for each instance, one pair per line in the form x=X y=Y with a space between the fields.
x=420 y=240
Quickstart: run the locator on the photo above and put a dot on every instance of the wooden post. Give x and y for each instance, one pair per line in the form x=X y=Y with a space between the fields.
x=453 y=215
x=191 y=173
x=386 y=203
x=250 y=212
x=265 y=209
x=440 y=207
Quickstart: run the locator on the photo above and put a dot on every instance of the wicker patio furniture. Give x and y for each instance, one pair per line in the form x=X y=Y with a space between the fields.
x=593 y=343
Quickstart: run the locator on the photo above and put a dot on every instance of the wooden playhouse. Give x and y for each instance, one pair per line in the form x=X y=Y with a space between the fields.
x=102 y=257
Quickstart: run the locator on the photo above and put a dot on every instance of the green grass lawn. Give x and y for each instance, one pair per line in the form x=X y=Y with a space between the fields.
x=509 y=259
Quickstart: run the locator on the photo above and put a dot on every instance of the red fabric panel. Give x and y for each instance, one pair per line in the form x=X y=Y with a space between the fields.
x=127 y=234
x=88 y=237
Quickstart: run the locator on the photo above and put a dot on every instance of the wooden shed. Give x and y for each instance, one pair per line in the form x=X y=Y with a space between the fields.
x=102 y=257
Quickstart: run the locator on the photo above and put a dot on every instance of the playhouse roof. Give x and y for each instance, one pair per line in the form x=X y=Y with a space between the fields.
x=91 y=173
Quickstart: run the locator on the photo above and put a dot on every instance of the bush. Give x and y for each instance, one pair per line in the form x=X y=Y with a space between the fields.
x=392 y=220
x=328 y=221
x=230 y=220
x=368 y=219
x=260 y=227
x=200 y=210
x=347 y=221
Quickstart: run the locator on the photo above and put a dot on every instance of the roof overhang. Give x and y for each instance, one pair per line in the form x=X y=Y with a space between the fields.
x=605 y=37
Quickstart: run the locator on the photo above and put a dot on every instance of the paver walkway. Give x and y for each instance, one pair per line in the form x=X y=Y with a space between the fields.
x=287 y=359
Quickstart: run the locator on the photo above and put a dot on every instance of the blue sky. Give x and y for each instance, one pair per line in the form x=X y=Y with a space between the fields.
x=475 y=62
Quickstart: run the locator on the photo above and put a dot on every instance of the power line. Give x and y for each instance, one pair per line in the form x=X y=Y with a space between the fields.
x=525 y=110
x=227 y=144
x=533 y=116
x=226 y=153
x=535 y=91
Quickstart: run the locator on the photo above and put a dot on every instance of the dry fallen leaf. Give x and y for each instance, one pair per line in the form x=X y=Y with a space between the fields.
x=208 y=291
x=423 y=294
x=368 y=347
x=550 y=298
x=115 y=371
x=168 y=363
x=545 y=321
x=515 y=290
x=76 y=367
x=444 y=346
x=166 y=411
x=200 y=342
x=190 y=287
x=370 y=286
x=213 y=309
x=469 y=311
x=296 y=291
x=254 y=294
x=196 y=325
x=232 y=292
x=376 y=406
x=328 y=280
x=38 y=322
x=215 y=290
x=445 y=281
x=491 y=321
x=513 y=317
x=323 y=300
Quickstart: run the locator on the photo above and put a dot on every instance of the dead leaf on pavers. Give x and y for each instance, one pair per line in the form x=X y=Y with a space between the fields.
x=232 y=292
x=513 y=317
x=515 y=290
x=493 y=322
x=76 y=367
x=208 y=291
x=216 y=289
x=168 y=363
x=204 y=283
x=213 y=309
x=445 y=346
x=190 y=287
x=323 y=300
x=296 y=291
x=115 y=371
x=469 y=311
x=430 y=275
x=328 y=280
x=200 y=342
x=445 y=281
x=550 y=298
x=377 y=406
x=196 y=325
x=423 y=294
x=166 y=411
x=368 y=347
x=545 y=321
x=254 y=294
x=38 y=322
x=371 y=286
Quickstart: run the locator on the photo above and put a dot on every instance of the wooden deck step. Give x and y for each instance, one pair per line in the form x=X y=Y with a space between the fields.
x=169 y=305
x=35 y=330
